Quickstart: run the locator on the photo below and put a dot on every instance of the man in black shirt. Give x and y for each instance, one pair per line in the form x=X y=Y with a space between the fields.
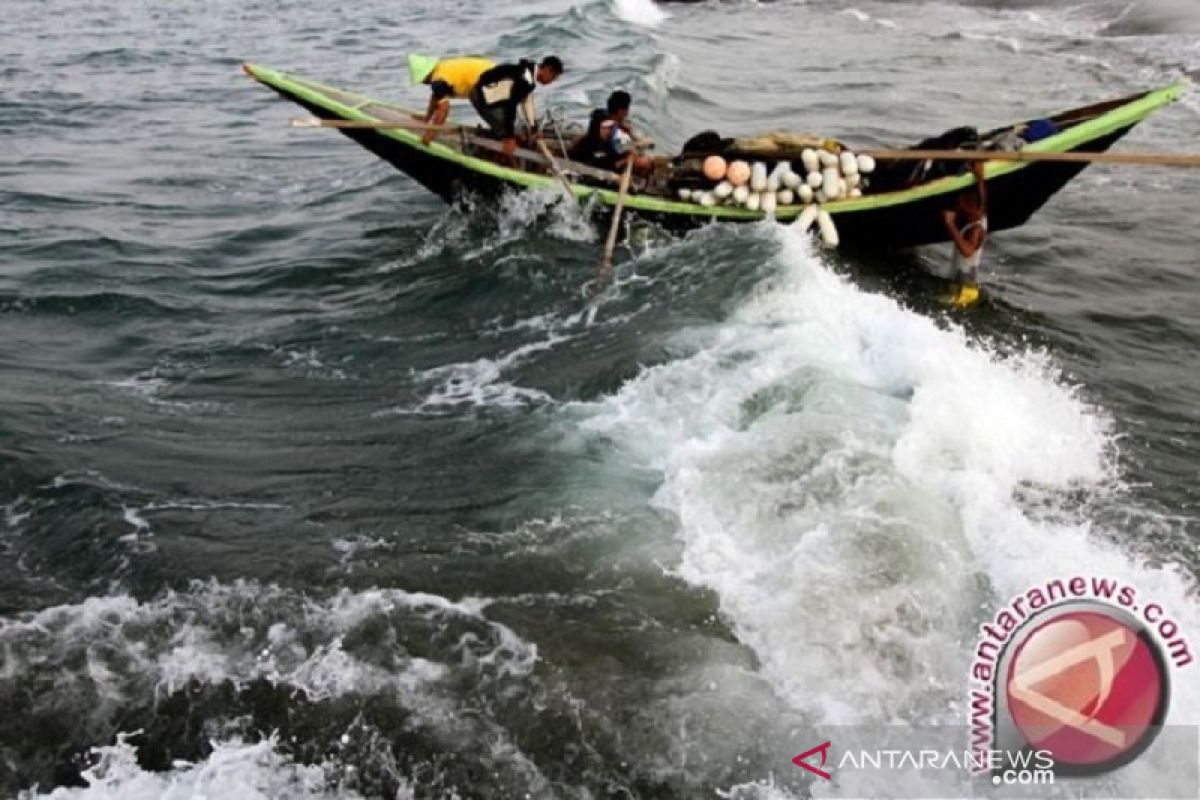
x=505 y=88
x=609 y=142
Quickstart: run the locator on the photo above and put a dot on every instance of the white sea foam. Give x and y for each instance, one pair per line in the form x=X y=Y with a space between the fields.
x=861 y=487
x=481 y=382
x=108 y=654
x=640 y=12
x=16 y=512
x=478 y=383
x=515 y=214
x=130 y=647
x=864 y=17
x=151 y=386
x=518 y=211
x=350 y=549
x=136 y=517
x=234 y=769
x=664 y=75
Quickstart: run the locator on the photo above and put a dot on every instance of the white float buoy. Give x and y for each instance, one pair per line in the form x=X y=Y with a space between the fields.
x=810 y=161
x=829 y=234
x=754 y=201
x=707 y=199
x=790 y=179
x=806 y=194
x=775 y=178
x=769 y=202
x=866 y=165
x=831 y=185
x=853 y=181
x=740 y=194
x=758 y=176
x=785 y=197
x=723 y=190
x=843 y=188
x=815 y=179
x=856 y=192
x=828 y=159
x=685 y=194
x=806 y=219
x=849 y=164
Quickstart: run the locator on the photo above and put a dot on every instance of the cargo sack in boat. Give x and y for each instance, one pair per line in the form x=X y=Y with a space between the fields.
x=1038 y=129
x=964 y=138
x=776 y=142
x=895 y=175
x=705 y=143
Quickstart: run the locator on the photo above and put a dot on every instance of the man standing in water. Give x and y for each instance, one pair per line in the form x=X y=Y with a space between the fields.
x=501 y=90
x=967 y=225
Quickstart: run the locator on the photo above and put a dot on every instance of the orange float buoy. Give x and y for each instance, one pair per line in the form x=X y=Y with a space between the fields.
x=714 y=168
x=739 y=173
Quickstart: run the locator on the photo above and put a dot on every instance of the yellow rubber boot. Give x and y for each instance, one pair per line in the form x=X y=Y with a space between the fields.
x=964 y=295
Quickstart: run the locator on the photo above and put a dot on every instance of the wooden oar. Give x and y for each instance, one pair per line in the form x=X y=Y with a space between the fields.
x=605 y=269
x=1143 y=159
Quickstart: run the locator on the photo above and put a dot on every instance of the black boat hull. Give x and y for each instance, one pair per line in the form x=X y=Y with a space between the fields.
x=907 y=217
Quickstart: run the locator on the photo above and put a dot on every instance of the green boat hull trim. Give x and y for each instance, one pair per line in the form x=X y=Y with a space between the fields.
x=908 y=217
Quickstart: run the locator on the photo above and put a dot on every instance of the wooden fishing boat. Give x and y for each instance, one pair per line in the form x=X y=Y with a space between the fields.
x=464 y=163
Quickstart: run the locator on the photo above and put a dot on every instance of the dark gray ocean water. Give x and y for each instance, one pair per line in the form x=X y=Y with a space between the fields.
x=310 y=486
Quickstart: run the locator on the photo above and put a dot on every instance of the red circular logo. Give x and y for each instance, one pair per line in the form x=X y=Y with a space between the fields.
x=1088 y=687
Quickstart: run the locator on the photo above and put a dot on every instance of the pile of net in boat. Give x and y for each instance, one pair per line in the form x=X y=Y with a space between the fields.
x=777 y=171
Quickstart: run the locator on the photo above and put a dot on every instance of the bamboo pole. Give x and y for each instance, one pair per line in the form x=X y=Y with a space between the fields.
x=1021 y=156
x=380 y=125
x=556 y=169
x=1026 y=156
x=458 y=132
x=605 y=268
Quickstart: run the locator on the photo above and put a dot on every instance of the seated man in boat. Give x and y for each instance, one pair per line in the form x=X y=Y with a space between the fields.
x=967 y=226
x=448 y=79
x=609 y=142
x=501 y=90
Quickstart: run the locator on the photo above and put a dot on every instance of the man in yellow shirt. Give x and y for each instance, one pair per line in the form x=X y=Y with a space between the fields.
x=447 y=78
